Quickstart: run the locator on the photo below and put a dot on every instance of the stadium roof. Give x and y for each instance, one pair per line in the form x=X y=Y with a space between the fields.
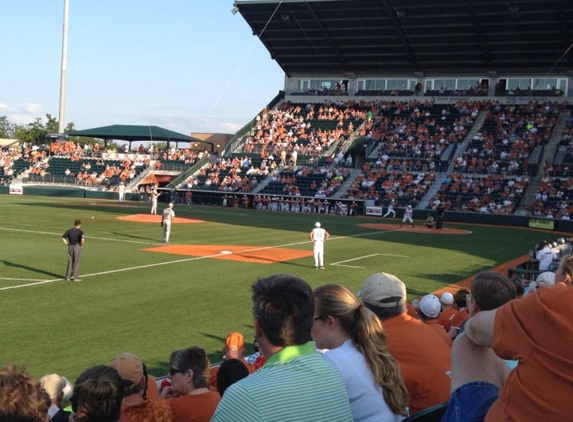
x=132 y=133
x=368 y=37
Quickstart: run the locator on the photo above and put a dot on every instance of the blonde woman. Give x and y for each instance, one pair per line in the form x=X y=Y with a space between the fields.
x=356 y=344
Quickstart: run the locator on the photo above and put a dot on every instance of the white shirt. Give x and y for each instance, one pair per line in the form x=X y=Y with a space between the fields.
x=545 y=257
x=318 y=234
x=366 y=399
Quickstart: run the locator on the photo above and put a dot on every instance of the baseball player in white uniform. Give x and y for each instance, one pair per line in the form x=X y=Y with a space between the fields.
x=390 y=210
x=121 y=189
x=166 y=220
x=154 y=196
x=318 y=236
x=408 y=212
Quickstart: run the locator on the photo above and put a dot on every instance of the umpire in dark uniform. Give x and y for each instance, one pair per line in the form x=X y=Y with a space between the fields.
x=74 y=238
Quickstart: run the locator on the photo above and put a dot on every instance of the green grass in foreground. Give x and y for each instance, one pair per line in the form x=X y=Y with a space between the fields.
x=153 y=303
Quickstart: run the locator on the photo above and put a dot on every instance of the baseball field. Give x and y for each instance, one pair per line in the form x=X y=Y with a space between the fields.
x=142 y=296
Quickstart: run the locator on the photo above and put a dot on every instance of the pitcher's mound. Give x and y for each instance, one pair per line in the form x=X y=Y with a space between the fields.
x=410 y=229
x=156 y=218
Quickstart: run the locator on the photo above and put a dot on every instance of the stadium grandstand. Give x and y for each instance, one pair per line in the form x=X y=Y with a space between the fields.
x=464 y=103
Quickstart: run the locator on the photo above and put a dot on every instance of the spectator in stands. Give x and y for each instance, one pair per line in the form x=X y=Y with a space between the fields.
x=423 y=357
x=546 y=278
x=230 y=371
x=489 y=290
x=135 y=406
x=448 y=311
x=54 y=385
x=98 y=393
x=22 y=399
x=356 y=344
x=537 y=331
x=189 y=396
x=545 y=255
x=460 y=303
x=519 y=285
x=296 y=382
x=429 y=311
x=234 y=348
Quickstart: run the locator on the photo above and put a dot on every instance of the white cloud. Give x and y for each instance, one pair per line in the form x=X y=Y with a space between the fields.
x=22 y=113
x=30 y=107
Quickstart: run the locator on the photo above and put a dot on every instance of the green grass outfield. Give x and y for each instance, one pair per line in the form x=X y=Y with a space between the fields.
x=153 y=303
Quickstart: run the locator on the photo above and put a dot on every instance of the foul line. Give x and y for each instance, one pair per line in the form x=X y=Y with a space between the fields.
x=340 y=263
x=167 y=262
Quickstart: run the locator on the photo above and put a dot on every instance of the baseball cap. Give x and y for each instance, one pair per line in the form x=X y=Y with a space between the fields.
x=430 y=306
x=380 y=288
x=53 y=384
x=317 y=224
x=447 y=298
x=128 y=366
x=546 y=278
x=234 y=342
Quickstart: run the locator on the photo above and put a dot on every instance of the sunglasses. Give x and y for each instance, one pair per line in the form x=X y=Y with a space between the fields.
x=174 y=371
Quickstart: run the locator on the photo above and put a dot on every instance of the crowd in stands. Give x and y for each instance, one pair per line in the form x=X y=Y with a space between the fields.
x=390 y=185
x=7 y=158
x=554 y=198
x=508 y=138
x=492 y=194
x=309 y=129
x=230 y=175
x=373 y=357
x=419 y=130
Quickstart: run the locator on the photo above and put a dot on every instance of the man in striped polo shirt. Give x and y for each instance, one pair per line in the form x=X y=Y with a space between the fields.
x=296 y=383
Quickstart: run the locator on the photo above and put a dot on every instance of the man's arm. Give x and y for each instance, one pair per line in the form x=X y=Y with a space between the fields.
x=479 y=328
x=65 y=240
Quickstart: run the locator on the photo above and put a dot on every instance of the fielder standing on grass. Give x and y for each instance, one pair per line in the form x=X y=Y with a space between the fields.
x=74 y=239
x=166 y=220
x=318 y=236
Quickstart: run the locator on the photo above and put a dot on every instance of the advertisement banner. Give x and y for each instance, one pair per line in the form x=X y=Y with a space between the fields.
x=374 y=211
x=537 y=223
x=16 y=190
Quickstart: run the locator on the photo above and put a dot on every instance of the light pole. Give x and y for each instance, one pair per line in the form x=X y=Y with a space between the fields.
x=62 y=116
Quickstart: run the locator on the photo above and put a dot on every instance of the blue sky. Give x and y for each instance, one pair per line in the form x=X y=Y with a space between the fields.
x=187 y=65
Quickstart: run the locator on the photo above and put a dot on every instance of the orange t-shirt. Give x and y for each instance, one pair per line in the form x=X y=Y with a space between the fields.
x=537 y=330
x=152 y=390
x=152 y=410
x=446 y=317
x=435 y=325
x=194 y=407
x=411 y=310
x=460 y=318
x=424 y=360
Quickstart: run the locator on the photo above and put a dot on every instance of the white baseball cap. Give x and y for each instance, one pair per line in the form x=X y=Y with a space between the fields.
x=447 y=298
x=317 y=224
x=430 y=306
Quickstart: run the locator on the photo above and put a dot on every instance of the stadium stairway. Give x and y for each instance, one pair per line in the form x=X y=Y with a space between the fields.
x=440 y=176
x=549 y=153
x=353 y=174
x=476 y=127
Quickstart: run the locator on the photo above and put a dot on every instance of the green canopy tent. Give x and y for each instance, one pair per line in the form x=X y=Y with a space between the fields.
x=131 y=133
